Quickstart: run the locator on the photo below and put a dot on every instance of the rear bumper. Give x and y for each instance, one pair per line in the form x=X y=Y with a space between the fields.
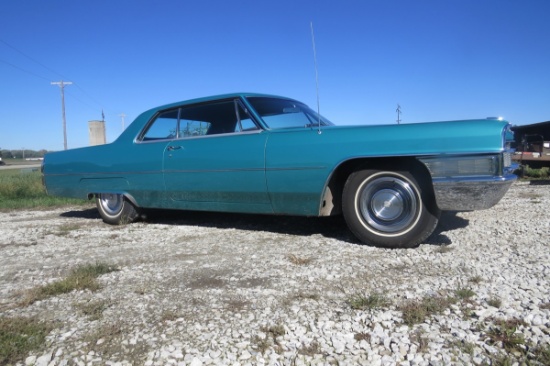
x=468 y=194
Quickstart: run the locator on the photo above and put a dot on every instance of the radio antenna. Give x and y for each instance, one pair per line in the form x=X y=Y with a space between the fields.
x=398 y=110
x=316 y=80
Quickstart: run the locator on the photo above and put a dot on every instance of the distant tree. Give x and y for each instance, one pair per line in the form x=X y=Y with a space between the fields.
x=12 y=154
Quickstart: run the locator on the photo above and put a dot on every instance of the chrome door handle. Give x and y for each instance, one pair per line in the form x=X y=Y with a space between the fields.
x=172 y=148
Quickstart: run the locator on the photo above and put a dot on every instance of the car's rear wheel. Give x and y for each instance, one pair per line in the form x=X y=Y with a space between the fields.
x=115 y=209
x=389 y=208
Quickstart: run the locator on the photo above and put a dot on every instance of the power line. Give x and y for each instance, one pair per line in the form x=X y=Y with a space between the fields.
x=32 y=59
x=49 y=69
x=88 y=95
x=21 y=69
x=45 y=78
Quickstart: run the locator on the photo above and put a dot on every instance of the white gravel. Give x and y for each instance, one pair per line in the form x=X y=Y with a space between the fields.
x=203 y=288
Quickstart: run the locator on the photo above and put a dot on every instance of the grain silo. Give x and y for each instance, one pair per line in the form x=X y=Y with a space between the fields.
x=97 y=132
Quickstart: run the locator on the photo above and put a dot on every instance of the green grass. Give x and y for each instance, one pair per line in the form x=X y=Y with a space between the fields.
x=416 y=311
x=494 y=302
x=475 y=280
x=81 y=278
x=270 y=339
x=93 y=309
x=420 y=338
x=311 y=349
x=504 y=334
x=20 y=190
x=65 y=230
x=541 y=354
x=464 y=293
x=19 y=336
x=372 y=301
x=299 y=261
x=542 y=173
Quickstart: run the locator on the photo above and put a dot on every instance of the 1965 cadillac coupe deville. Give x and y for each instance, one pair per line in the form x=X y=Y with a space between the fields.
x=264 y=154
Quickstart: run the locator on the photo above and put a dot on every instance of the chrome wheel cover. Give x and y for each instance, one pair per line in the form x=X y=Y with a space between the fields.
x=111 y=203
x=388 y=204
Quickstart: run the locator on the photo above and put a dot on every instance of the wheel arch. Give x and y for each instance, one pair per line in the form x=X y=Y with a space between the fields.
x=331 y=201
x=126 y=195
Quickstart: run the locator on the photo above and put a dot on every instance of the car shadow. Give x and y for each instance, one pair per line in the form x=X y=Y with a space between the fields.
x=447 y=222
x=540 y=182
x=330 y=227
x=90 y=213
x=333 y=227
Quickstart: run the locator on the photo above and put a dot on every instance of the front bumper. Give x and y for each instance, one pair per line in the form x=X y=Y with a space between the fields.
x=468 y=194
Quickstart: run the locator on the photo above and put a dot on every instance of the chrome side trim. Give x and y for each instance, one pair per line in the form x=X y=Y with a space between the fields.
x=121 y=174
x=473 y=193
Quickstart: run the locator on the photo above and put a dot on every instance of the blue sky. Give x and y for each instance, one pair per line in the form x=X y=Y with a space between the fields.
x=440 y=60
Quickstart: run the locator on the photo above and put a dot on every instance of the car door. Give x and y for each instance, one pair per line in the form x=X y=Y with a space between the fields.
x=217 y=161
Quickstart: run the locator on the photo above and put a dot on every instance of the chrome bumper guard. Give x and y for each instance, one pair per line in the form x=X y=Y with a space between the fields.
x=467 y=194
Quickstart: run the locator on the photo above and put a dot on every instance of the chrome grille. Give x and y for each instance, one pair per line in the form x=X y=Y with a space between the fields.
x=507 y=159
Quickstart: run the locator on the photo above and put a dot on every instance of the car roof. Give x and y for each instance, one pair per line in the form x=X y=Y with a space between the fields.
x=218 y=97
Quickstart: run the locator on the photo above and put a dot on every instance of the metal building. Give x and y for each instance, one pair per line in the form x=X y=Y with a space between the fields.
x=533 y=144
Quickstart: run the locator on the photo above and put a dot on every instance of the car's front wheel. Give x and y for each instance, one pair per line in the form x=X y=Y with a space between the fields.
x=115 y=209
x=389 y=208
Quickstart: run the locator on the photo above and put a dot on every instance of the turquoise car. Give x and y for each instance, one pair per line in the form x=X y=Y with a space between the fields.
x=264 y=154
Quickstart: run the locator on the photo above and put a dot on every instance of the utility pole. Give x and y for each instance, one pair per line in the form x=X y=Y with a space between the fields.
x=61 y=85
x=398 y=110
x=122 y=116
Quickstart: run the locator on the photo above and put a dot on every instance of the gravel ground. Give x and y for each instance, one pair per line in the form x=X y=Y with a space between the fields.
x=201 y=288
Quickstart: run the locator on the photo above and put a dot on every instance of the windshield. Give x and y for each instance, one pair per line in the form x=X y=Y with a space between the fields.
x=283 y=113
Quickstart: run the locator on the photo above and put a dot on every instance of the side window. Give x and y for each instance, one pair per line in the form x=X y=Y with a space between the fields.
x=286 y=113
x=244 y=122
x=289 y=118
x=206 y=119
x=190 y=128
x=220 y=117
x=163 y=127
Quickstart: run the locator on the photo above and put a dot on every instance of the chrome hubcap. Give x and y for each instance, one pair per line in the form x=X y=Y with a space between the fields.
x=111 y=203
x=388 y=204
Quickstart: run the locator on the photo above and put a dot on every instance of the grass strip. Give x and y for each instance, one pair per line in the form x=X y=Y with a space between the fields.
x=20 y=190
x=19 y=336
x=81 y=278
